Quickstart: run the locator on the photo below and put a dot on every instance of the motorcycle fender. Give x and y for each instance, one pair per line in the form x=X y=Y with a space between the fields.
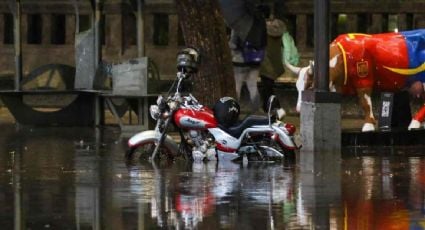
x=152 y=136
x=286 y=140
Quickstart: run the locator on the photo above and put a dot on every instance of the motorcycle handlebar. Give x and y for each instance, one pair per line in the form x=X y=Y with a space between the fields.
x=176 y=99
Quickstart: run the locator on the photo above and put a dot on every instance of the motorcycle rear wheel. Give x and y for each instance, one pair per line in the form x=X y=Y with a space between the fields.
x=266 y=146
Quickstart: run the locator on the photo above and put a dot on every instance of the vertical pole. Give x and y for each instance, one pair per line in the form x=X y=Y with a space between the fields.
x=140 y=26
x=97 y=22
x=15 y=8
x=77 y=17
x=17 y=186
x=320 y=109
x=18 y=47
x=321 y=45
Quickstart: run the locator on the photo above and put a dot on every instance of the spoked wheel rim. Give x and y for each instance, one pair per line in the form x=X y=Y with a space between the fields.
x=143 y=153
x=270 y=150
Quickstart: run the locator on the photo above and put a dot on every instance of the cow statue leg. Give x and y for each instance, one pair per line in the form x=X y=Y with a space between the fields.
x=364 y=96
x=417 y=119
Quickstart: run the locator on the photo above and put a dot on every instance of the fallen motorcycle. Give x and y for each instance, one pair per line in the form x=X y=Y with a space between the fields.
x=209 y=134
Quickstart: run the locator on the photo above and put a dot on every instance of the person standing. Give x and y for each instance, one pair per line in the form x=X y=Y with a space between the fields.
x=246 y=70
x=272 y=66
x=247 y=43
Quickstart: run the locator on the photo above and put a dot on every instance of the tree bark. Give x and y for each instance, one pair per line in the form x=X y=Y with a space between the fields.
x=204 y=29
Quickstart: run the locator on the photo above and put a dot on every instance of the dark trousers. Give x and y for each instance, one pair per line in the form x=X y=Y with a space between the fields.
x=267 y=91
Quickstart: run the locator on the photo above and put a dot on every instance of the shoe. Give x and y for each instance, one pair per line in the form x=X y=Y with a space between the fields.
x=280 y=113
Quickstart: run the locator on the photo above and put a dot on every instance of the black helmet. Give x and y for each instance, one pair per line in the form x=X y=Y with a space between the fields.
x=226 y=111
x=188 y=60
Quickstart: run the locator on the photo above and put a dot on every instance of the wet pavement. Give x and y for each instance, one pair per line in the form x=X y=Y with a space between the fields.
x=77 y=178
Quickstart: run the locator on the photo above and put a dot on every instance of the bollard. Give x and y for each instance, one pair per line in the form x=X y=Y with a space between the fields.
x=394 y=111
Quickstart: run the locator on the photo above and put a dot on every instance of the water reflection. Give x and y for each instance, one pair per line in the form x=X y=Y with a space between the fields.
x=383 y=192
x=77 y=179
x=211 y=194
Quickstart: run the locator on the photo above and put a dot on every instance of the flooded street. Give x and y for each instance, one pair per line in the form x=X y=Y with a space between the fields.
x=77 y=178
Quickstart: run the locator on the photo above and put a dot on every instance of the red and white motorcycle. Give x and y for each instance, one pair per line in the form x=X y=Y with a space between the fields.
x=206 y=134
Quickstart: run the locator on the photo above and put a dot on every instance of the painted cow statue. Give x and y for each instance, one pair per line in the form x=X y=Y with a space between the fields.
x=361 y=63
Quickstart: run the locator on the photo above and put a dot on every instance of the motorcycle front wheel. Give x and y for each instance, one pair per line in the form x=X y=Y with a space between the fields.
x=143 y=152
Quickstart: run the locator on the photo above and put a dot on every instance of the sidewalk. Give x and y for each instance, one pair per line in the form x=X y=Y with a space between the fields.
x=351 y=123
x=346 y=123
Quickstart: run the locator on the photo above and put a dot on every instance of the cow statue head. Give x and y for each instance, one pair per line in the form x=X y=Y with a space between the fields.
x=305 y=74
x=304 y=79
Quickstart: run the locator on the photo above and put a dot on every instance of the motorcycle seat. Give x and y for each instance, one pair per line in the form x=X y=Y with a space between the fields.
x=249 y=121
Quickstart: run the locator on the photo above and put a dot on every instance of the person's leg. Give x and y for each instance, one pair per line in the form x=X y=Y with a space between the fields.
x=239 y=79
x=266 y=90
x=251 y=84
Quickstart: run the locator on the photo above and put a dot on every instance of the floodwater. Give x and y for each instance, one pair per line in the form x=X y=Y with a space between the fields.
x=76 y=178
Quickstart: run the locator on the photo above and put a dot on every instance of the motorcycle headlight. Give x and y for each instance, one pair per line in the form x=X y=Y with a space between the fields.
x=173 y=105
x=154 y=111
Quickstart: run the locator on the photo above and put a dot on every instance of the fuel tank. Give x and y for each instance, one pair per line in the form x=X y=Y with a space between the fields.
x=195 y=119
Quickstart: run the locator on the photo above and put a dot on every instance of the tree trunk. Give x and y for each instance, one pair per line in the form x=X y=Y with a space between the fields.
x=204 y=29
